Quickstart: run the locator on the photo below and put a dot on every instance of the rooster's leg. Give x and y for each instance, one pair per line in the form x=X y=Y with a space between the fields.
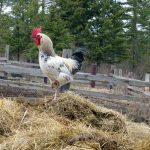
x=55 y=85
x=55 y=95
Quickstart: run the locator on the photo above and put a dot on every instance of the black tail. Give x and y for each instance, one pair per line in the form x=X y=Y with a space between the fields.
x=78 y=55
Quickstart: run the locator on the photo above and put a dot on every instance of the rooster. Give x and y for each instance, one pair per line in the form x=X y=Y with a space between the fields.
x=59 y=70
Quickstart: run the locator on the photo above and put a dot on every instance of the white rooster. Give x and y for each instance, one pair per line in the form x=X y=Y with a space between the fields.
x=59 y=70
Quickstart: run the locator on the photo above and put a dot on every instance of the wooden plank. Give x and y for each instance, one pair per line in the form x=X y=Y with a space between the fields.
x=7 y=52
x=81 y=81
x=25 y=85
x=3 y=59
x=132 y=82
x=130 y=75
x=147 y=79
x=21 y=70
x=4 y=63
x=111 y=96
x=84 y=76
x=136 y=89
x=20 y=63
x=120 y=72
x=93 y=72
x=112 y=79
x=116 y=71
x=67 y=53
x=46 y=88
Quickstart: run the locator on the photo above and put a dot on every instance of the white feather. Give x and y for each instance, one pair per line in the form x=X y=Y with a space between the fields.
x=70 y=63
x=55 y=68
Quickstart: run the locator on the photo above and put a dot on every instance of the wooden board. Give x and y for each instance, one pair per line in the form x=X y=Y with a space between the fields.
x=38 y=87
x=111 y=79
x=111 y=96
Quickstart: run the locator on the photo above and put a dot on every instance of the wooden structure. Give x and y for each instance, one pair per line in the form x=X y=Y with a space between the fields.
x=26 y=79
x=31 y=74
x=67 y=53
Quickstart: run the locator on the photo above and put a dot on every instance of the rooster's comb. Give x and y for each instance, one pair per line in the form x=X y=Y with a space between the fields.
x=35 y=31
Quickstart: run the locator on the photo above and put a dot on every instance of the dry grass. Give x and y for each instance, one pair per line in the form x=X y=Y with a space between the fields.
x=71 y=123
x=143 y=144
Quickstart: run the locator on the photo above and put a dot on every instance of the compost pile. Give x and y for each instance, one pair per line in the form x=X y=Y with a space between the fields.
x=70 y=123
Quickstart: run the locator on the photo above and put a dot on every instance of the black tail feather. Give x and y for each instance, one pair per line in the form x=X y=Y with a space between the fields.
x=78 y=55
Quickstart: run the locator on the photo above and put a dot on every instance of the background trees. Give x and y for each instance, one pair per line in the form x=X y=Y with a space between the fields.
x=24 y=18
x=105 y=32
x=137 y=31
x=5 y=24
x=111 y=30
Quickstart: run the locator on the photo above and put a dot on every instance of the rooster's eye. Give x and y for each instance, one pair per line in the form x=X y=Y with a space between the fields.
x=39 y=37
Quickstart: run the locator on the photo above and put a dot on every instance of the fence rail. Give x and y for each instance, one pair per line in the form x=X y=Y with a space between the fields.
x=11 y=68
x=24 y=69
x=112 y=79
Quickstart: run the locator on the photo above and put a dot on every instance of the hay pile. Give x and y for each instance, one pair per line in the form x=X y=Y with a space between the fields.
x=71 y=123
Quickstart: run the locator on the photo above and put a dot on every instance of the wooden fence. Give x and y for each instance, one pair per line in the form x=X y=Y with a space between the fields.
x=11 y=70
x=22 y=78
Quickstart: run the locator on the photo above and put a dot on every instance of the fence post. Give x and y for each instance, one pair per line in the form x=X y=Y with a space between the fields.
x=112 y=68
x=67 y=53
x=120 y=72
x=130 y=75
x=5 y=75
x=93 y=72
x=7 y=52
x=45 y=80
x=116 y=72
x=147 y=79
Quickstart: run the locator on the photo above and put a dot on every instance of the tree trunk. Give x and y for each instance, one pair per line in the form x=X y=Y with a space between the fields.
x=135 y=37
x=43 y=7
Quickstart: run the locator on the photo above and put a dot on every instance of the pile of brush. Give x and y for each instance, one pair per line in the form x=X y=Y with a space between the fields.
x=70 y=123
